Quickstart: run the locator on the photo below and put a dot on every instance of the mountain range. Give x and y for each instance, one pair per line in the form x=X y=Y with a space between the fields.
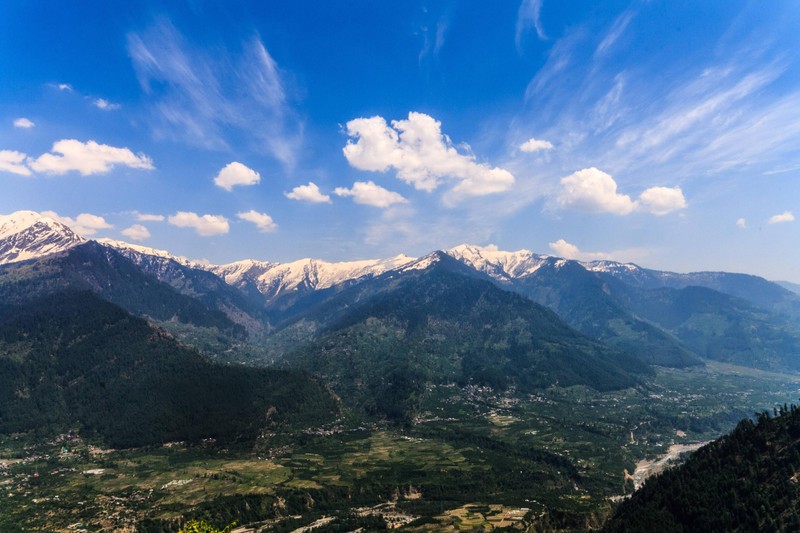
x=664 y=318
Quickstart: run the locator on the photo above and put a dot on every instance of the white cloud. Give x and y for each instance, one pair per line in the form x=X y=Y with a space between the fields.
x=534 y=145
x=85 y=224
x=213 y=98
x=308 y=193
x=14 y=162
x=595 y=191
x=205 y=226
x=144 y=217
x=529 y=14
x=87 y=158
x=741 y=223
x=137 y=232
x=263 y=221
x=23 y=122
x=569 y=251
x=105 y=105
x=662 y=200
x=786 y=216
x=421 y=155
x=367 y=193
x=64 y=87
x=234 y=174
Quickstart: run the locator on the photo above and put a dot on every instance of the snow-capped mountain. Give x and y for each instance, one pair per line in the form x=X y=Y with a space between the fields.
x=304 y=275
x=28 y=235
x=498 y=264
x=136 y=252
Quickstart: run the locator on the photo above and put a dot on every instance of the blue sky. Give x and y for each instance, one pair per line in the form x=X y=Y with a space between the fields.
x=664 y=133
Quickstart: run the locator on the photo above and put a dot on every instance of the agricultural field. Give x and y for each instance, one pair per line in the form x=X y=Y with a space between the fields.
x=473 y=458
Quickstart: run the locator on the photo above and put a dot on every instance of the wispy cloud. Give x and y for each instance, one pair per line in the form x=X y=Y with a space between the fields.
x=105 y=105
x=213 y=99
x=786 y=216
x=23 y=123
x=529 y=16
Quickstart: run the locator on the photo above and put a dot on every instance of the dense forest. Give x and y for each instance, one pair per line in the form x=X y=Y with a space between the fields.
x=73 y=360
x=745 y=481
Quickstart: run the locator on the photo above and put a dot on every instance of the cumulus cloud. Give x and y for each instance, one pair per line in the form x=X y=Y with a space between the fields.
x=595 y=191
x=234 y=174
x=786 y=216
x=741 y=223
x=205 y=225
x=85 y=224
x=144 y=217
x=263 y=221
x=569 y=251
x=535 y=145
x=137 y=232
x=308 y=193
x=23 y=122
x=105 y=105
x=368 y=193
x=14 y=162
x=87 y=158
x=662 y=200
x=421 y=155
x=64 y=87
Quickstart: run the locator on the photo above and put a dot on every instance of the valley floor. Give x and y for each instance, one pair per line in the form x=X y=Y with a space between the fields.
x=472 y=459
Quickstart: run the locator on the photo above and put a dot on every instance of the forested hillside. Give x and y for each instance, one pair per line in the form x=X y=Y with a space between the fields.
x=745 y=481
x=72 y=360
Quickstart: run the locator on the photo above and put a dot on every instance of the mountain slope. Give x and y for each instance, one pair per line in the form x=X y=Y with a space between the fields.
x=71 y=359
x=91 y=266
x=754 y=289
x=745 y=481
x=580 y=298
x=190 y=279
x=720 y=327
x=437 y=321
x=27 y=235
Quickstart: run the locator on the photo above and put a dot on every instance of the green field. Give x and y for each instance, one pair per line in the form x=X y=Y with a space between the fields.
x=472 y=459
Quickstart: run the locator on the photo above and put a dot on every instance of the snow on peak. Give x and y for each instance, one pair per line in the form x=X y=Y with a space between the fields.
x=144 y=250
x=497 y=263
x=22 y=220
x=28 y=235
x=422 y=263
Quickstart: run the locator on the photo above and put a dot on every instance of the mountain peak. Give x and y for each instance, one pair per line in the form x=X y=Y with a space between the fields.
x=28 y=235
x=496 y=263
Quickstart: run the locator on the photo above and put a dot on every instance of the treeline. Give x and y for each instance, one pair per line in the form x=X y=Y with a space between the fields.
x=74 y=360
x=748 y=480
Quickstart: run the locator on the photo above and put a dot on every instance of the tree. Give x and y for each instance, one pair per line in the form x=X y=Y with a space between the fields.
x=201 y=526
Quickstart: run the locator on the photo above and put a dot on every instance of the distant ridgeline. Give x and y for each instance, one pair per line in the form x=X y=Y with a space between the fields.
x=748 y=480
